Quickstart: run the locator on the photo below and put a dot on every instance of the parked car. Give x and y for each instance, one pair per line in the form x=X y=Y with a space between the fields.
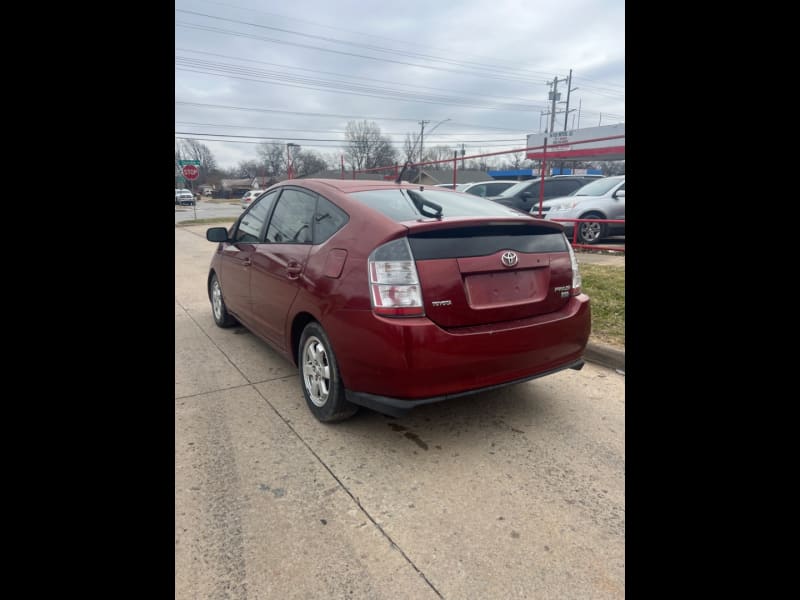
x=525 y=194
x=391 y=296
x=601 y=199
x=486 y=188
x=250 y=196
x=184 y=197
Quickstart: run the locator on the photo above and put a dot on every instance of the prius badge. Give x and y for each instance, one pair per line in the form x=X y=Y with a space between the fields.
x=509 y=258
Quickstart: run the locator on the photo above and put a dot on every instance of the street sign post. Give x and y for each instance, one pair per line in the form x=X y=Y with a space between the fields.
x=190 y=171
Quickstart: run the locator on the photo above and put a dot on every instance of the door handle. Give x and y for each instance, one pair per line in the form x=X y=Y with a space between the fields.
x=293 y=269
x=247 y=262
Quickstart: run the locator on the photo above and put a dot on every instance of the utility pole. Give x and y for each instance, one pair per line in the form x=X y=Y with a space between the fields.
x=462 y=155
x=569 y=89
x=421 y=141
x=579 y=112
x=554 y=97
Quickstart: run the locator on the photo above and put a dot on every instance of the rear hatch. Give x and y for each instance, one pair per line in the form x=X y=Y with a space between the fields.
x=474 y=274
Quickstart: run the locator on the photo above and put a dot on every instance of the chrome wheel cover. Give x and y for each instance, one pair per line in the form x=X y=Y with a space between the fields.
x=316 y=371
x=590 y=231
x=216 y=300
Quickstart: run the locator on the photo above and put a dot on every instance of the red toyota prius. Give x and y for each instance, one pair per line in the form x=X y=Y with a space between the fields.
x=390 y=295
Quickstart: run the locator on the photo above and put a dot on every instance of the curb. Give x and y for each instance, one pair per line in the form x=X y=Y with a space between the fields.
x=605 y=356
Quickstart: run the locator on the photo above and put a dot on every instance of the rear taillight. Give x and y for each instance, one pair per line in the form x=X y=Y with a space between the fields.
x=576 y=274
x=393 y=281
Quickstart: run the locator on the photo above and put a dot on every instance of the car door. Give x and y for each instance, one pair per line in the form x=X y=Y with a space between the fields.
x=237 y=256
x=616 y=209
x=279 y=262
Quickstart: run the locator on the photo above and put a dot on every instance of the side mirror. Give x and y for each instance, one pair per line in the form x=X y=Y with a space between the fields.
x=526 y=195
x=217 y=234
x=619 y=194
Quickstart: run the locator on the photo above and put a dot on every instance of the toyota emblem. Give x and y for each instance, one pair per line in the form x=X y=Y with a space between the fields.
x=509 y=258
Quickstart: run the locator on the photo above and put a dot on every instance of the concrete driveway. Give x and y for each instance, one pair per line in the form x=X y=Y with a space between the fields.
x=516 y=493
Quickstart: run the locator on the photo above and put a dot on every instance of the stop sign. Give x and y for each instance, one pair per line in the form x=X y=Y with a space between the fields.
x=190 y=172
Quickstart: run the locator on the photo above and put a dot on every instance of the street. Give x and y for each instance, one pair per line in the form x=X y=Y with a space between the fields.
x=208 y=210
x=514 y=493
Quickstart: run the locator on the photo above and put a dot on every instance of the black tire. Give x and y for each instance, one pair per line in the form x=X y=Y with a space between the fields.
x=218 y=309
x=319 y=377
x=591 y=233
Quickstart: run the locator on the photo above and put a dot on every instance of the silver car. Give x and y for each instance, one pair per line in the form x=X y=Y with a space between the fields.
x=601 y=199
x=249 y=197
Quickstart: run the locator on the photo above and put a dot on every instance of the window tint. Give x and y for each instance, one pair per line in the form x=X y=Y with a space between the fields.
x=328 y=219
x=599 y=187
x=561 y=187
x=522 y=186
x=252 y=223
x=478 y=190
x=292 y=220
x=493 y=189
x=396 y=204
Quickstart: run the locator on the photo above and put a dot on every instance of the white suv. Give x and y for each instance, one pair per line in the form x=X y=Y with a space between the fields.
x=184 y=197
x=601 y=199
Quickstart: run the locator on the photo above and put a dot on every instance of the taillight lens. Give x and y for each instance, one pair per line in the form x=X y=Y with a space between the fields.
x=576 y=274
x=393 y=281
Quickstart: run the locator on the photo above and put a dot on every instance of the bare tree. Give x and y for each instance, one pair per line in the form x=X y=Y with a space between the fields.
x=273 y=158
x=515 y=160
x=409 y=147
x=439 y=153
x=194 y=150
x=366 y=148
x=308 y=162
x=614 y=167
x=247 y=169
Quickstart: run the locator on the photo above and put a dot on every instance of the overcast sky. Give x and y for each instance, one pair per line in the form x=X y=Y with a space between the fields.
x=299 y=70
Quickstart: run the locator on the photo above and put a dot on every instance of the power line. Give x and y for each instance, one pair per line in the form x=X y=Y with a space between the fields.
x=345 y=116
x=229 y=69
x=329 y=146
x=402 y=52
x=483 y=75
x=338 y=140
x=343 y=89
x=293 y=69
x=293 y=112
x=404 y=43
x=319 y=130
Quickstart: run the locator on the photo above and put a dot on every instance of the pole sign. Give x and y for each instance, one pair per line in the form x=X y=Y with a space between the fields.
x=572 y=147
x=183 y=163
x=191 y=172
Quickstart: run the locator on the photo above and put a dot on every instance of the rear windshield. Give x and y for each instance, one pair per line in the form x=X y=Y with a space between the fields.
x=396 y=204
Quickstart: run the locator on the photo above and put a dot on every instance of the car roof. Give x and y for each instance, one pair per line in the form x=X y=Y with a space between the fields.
x=492 y=181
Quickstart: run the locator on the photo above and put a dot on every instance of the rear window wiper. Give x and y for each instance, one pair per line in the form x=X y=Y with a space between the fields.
x=420 y=202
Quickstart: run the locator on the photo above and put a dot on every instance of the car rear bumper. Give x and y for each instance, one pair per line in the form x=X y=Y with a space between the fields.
x=417 y=362
x=397 y=407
